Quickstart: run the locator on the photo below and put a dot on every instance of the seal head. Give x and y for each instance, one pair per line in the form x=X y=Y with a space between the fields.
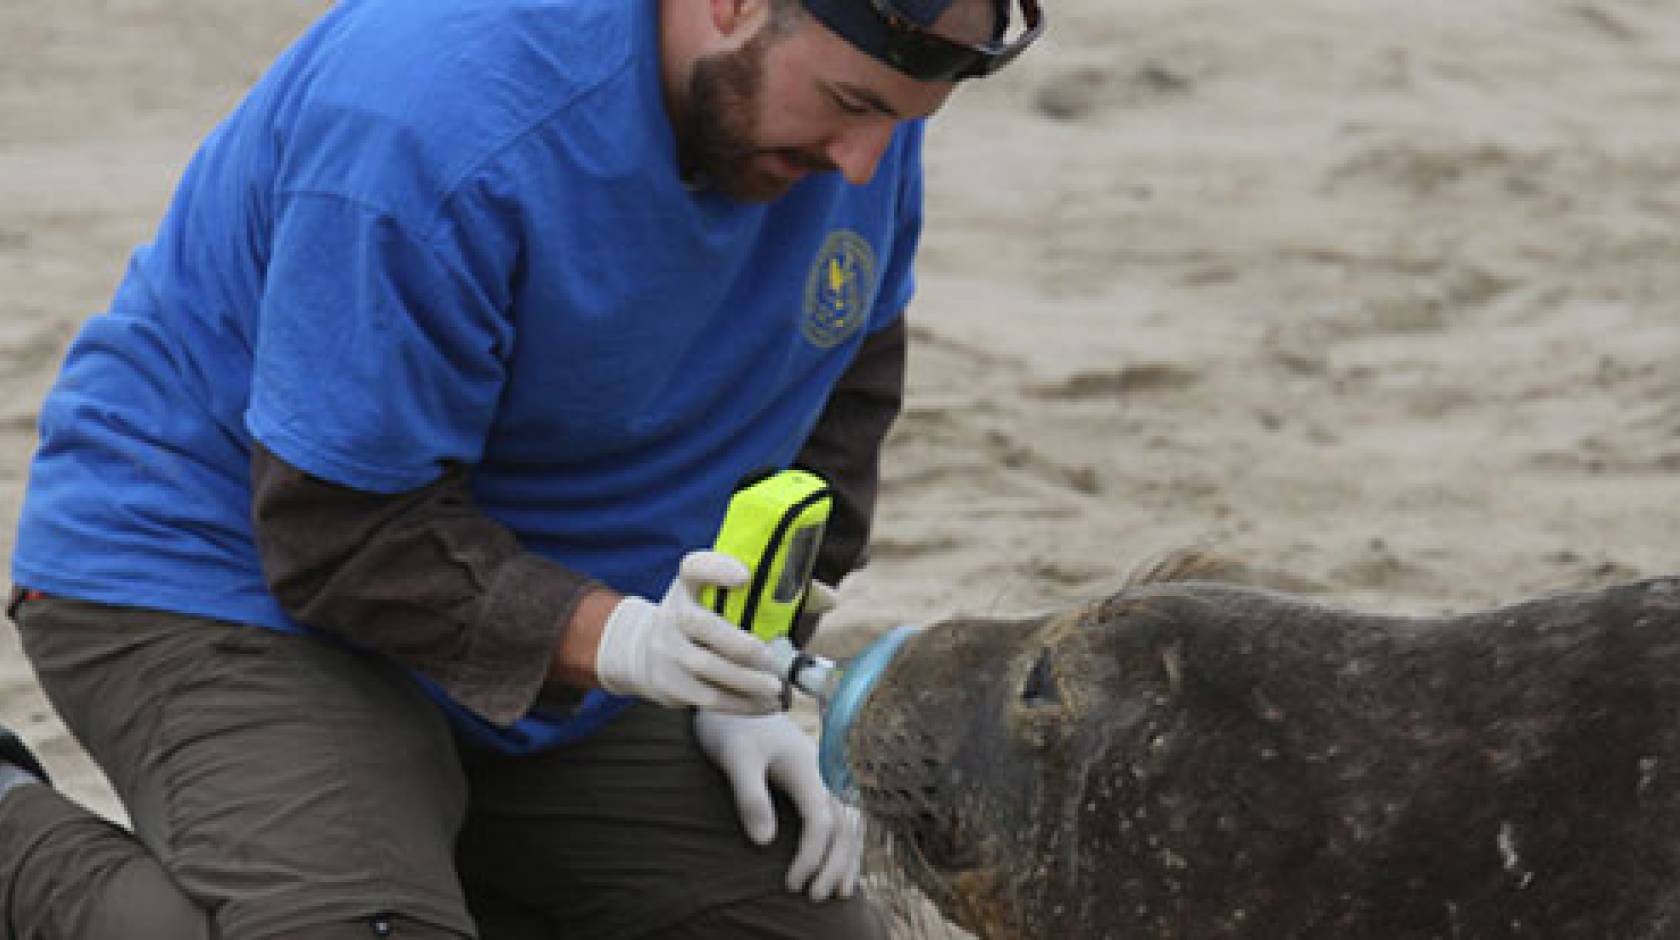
x=1191 y=759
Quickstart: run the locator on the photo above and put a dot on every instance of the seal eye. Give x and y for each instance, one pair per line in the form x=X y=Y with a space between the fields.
x=1040 y=687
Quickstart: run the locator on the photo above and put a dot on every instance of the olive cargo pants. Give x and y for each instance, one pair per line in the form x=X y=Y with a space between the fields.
x=283 y=787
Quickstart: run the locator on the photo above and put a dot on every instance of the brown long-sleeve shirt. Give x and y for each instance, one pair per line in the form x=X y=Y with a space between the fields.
x=429 y=580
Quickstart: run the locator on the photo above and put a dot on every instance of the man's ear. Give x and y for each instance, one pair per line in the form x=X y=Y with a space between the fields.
x=731 y=17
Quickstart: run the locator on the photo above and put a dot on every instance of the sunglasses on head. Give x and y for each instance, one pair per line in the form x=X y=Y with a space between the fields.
x=927 y=56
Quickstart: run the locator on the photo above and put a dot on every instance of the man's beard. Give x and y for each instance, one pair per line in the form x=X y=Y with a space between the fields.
x=717 y=145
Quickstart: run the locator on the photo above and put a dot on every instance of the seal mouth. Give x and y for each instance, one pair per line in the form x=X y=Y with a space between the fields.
x=924 y=833
x=905 y=797
x=923 y=873
x=936 y=845
x=924 y=852
x=898 y=783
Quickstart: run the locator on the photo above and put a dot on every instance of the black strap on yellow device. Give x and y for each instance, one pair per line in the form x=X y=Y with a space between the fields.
x=774 y=525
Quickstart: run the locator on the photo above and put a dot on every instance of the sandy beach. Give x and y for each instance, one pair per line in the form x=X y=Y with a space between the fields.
x=1378 y=296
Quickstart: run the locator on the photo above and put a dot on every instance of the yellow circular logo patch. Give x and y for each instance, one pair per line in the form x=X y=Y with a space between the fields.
x=839 y=289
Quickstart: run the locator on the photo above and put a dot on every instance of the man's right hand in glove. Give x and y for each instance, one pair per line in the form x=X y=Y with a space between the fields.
x=676 y=653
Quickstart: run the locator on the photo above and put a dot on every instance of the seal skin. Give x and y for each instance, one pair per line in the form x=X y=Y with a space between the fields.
x=1198 y=760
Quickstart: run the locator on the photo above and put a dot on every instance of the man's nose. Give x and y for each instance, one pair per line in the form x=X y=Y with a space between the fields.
x=857 y=150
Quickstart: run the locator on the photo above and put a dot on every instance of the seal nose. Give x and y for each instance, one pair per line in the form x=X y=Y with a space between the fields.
x=857 y=679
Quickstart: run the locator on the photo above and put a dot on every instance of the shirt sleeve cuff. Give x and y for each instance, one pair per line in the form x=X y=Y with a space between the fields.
x=524 y=612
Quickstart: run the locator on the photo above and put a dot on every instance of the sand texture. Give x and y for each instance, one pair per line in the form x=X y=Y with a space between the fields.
x=1378 y=296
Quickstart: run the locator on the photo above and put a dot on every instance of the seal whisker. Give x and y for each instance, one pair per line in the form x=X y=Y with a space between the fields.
x=894 y=868
x=1183 y=564
x=1172 y=661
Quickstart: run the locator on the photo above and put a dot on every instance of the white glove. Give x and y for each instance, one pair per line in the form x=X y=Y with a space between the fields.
x=677 y=653
x=756 y=751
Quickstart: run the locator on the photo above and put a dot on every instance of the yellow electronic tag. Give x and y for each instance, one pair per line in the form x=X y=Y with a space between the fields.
x=774 y=526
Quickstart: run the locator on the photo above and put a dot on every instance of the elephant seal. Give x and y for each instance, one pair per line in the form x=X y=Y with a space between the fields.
x=1190 y=759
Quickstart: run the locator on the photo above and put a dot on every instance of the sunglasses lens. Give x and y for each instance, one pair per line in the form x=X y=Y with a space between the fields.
x=930 y=56
x=894 y=31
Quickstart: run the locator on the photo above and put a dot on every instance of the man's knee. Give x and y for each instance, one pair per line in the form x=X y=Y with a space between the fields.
x=67 y=873
x=141 y=903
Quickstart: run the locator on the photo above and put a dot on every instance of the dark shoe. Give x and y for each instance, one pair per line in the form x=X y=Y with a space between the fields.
x=13 y=751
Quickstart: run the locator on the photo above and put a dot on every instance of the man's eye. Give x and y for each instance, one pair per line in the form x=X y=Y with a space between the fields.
x=848 y=106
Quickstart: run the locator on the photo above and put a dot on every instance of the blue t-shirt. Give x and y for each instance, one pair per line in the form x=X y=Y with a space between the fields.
x=439 y=231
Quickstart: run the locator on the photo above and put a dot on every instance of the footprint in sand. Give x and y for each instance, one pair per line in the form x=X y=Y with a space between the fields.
x=1079 y=92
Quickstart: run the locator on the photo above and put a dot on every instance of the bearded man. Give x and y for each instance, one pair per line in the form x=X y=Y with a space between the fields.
x=362 y=544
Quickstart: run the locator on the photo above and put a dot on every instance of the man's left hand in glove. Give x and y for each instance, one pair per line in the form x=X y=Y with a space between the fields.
x=757 y=751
